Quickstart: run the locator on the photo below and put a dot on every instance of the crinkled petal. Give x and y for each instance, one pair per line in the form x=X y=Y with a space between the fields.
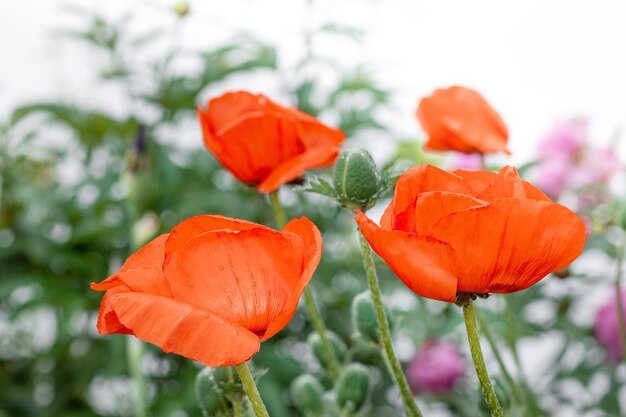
x=417 y=180
x=424 y=264
x=186 y=230
x=460 y=119
x=142 y=271
x=256 y=144
x=289 y=170
x=244 y=276
x=311 y=238
x=510 y=244
x=181 y=328
x=432 y=206
x=222 y=111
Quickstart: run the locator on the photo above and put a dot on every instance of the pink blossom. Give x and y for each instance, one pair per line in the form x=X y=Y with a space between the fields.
x=568 y=161
x=606 y=328
x=467 y=161
x=436 y=367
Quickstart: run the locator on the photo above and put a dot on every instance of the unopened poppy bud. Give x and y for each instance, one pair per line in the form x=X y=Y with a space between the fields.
x=210 y=390
x=356 y=179
x=308 y=394
x=339 y=348
x=353 y=387
x=181 y=8
x=364 y=317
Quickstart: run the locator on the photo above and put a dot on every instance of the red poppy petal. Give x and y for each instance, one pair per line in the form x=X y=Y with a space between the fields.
x=424 y=264
x=257 y=143
x=508 y=184
x=229 y=107
x=312 y=240
x=510 y=244
x=318 y=134
x=433 y=205
x=289 y=170
x=142 y=271
x=459 y=118
x=186 y=230
x=417 y=180
x=244 y=276
x=478 y=180
x=180 y=328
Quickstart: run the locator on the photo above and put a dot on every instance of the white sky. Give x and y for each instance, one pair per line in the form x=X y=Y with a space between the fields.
x=535 y=61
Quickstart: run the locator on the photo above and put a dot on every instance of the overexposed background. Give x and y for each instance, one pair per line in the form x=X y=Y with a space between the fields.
x=535 y=61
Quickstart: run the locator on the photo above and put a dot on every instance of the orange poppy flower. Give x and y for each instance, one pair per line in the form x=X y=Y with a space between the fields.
x=476 y=232
x=460 y=119
x=263 y=143
x=213 y=288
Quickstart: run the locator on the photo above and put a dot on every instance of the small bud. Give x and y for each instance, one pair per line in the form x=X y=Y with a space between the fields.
x=364 y=317
x=210 y=390
x=308 y=394
x=339 y=348
x=353 y=387
x=181 y=8
x=356 y=180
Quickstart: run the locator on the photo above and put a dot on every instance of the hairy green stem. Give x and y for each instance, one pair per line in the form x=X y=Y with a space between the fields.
x=309 y=302
x=395 y=368
x=249 y=386
x=479 y=363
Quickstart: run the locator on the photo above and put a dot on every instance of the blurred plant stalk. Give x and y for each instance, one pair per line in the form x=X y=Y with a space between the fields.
x=309 y=300
x=135 y=349
x=412 y=410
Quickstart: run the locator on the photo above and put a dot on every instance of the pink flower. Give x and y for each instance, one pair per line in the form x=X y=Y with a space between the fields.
x=467 y=161
x=606 y=329
x=436 y=367
x=568 y=161
x=565 y=138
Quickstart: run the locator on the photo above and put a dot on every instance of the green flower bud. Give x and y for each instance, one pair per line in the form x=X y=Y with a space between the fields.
x=210 y=390
x=353 y=387
x=356 y=179
x=339 y=348
x=364 y=317
x=308 y=394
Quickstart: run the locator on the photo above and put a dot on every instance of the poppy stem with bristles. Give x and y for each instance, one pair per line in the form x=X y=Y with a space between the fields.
x=249 y=386
x=309 y=302
x=479 y=362
x=412 y=410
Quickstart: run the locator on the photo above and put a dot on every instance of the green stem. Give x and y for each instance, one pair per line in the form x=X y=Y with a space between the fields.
x=134 y=354
x=385 y=333
x=479 y=363
x=251 y=390
x=279 y=214
x=619 y=304
x=515 y=390
x=309 y=302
